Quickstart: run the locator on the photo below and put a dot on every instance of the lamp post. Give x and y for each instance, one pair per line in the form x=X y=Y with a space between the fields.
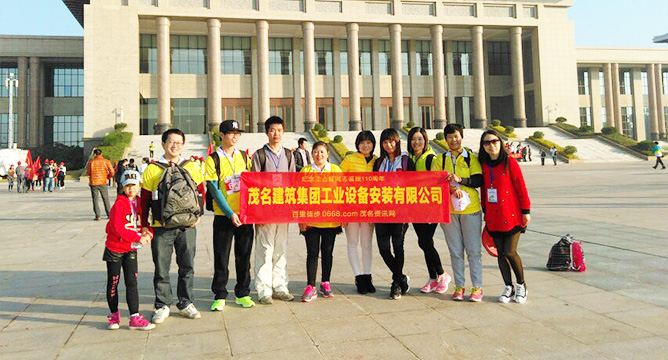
x=11 y=83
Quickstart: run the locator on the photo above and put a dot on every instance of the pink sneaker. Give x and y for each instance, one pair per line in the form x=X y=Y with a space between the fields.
x=430 y=286
x=476 y=294
x=309 y=294
x=137 y=322
x=326 y=290
x=458 y=295
x=443 y=283
x=114 y=321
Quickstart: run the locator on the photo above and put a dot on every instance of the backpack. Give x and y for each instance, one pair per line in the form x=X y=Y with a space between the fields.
x=263 y=157
x=566 y=255
x=178 y=203
x=467 y=159
x=216 y=161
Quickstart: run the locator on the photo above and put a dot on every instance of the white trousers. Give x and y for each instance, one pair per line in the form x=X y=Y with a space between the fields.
x=271 y=273
x=360 y=234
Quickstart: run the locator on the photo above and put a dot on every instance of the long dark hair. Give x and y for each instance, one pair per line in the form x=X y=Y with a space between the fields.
x=412 y=133
x=390 y=134
x=484 y=157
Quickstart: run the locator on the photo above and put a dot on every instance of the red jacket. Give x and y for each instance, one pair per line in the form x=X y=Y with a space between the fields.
x=512 y=195
x=121 y=230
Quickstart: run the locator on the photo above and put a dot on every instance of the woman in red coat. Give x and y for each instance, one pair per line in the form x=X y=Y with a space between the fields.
x=506 y=204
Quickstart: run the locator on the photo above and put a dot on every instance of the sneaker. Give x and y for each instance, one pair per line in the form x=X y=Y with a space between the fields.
x=443 y=283
x=508 y=293
x=429 y=286
x=285 y=296
x=114 y=320
x=326 y=289
x=395 y=291
x=266 y=300
x=160 y=315
x=138 y=322
x=309 y=294
x=245 y=301
x=521 y=294
x=218 y=305
x=190 y=312
x=405 y=287
x=476 y=294
x=458 y=295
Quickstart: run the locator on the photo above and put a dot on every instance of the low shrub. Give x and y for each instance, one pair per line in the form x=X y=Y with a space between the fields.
x=577 y=131
x=609 y=130
x=440 y=136
x=509 y=130
x=215 y=138
x=645 y=146
x=496 y=122
x=561 y=120
x=562 y=151
x=338 y=138
x=350 y=152
x=120 y=126
x=538 y=134
x=318 y=127
x=114 y=144
x=570 y=149
x=322 y=133
x=410 y=124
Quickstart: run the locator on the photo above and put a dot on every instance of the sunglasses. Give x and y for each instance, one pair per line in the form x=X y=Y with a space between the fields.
x=490 y=142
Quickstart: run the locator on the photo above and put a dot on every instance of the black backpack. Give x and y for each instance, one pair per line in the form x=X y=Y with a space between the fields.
x=263 y=157
x=179 y=203
x=560 y=255
x=216 y=161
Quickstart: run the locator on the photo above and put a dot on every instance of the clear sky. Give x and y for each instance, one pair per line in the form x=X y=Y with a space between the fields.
x=620 y=23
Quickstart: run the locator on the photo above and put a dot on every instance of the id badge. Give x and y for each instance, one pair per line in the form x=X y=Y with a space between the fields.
x=233 y=184
x=491 y=196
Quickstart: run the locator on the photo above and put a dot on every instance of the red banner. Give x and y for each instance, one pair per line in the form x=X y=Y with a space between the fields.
x=382 y=197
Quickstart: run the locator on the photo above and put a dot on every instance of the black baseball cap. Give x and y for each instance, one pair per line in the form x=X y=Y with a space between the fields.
x=229 y=125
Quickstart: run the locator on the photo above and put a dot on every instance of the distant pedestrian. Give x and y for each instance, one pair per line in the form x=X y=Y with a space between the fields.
x=656 y=150
x=543 y=155
x=302 y=155
x=553 y=152
x=62 y=171
x=151 y=149
x=21 y=176
x=144 y=164
x=99 y=171
x=529 y=152
x=11 y=173
x=120 y=169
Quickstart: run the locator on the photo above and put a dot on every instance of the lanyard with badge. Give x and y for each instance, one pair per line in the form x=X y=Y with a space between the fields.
x=491 y=192
x=135 y=219
x=232 y=182
x=390 y=165
x=453 y=159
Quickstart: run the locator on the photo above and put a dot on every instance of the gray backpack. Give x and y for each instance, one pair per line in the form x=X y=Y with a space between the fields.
x=179 y=204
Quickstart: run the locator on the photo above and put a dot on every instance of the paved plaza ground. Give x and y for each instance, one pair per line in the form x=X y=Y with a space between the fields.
x=52 y=280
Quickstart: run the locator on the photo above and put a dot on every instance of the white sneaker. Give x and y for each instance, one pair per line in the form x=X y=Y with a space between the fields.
x=508 y=292
x=159 y=315
x=190 y=312
x=521 y=294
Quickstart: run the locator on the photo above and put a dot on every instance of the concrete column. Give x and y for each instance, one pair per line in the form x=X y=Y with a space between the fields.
x=517 y=73
x=254 y=85
x=450 y=86
x=34 y=101
x=262 y=28
x=22 y=102
x=651 y=95
x=297 y=111
x=214 y=106
x=414 y=112
x=661 y=115
x=336 y=79
x=479 y=98
x=377 y=122
x=310 y=118
x=615 y=98
x=397 y=77
x=438 y=76
x=609 y=97
x=355 y=116
x=164 y=74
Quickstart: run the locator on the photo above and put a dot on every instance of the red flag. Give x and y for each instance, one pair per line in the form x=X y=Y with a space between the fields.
x=29 y=160
x=35 y=166
x=210 y=149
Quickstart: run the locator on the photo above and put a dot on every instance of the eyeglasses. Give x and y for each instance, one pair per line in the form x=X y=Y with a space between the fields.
x=490 y=142
x=170 y=143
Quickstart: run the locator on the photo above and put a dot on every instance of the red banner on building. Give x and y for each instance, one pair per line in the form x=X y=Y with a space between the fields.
x=383 y=197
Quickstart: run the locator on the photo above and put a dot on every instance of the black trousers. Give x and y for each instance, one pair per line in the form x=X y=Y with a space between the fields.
x=425 y=234
x=223 y=232
x=319 y=240
x=659 y=161
x=391 y=237
x=508 y=258
x=128 y=262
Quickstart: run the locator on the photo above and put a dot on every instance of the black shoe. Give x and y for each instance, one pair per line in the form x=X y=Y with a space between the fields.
x=360 y=282
x=97 y=218
x=369 y=284
x=395 y=291
x=653 y=167
x=404 y=285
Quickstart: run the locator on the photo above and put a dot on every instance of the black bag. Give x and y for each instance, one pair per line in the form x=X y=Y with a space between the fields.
x=560 y=255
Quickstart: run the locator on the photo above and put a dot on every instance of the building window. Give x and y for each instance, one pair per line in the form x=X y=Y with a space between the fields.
x=498 y=54
x=365 y=57
x=585 y=116
x=68 y=130
x=189 y=115
x=601 y=81
x=423 y=57
x=625 y=82
x=4 y=74
x=323 y=56
x=235 y=55
x=665 y=115
x=65 y=82
x=148 y=115
x=604 y=116
x=664 y=76
x=343 y=56
x=4 y=128
x=628 y=128
x=464 y=111
x=148 y=54
x=404 y=58
x=462 y=52
x=188 y=54
x=643 y=80
x=583 y=81
x=280 y=56
x=527 y=61
x=384 y=57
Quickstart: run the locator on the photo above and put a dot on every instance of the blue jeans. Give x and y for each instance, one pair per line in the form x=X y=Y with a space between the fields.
x=48 y=184
x=164 y=242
